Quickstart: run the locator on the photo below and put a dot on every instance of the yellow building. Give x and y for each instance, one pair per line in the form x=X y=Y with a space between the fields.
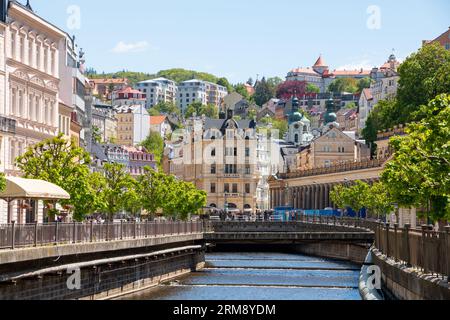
x=220 y=157
x=332 y=148
x=133 y=125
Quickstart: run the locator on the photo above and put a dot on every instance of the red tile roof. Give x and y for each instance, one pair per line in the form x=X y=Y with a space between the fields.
x=129 y=91
x=368 y=94
x=305 y=70
x=350 y=73
x=320 y=62
x=157 y=120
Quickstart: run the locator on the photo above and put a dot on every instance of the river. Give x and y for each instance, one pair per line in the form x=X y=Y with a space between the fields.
x=262 y=276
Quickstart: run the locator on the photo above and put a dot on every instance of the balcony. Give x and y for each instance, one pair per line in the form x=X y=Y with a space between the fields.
x=7 y=125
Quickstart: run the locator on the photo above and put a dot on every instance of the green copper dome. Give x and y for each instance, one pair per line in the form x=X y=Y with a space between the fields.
x=330 y=117
x=295 y=117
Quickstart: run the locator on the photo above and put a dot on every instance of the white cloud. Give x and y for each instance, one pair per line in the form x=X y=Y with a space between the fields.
x=123 y=47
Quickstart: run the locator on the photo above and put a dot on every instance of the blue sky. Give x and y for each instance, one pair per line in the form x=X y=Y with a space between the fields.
x=242 y=38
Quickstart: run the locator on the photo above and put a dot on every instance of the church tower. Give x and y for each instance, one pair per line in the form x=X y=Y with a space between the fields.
x=320 y=66
x=330 y=118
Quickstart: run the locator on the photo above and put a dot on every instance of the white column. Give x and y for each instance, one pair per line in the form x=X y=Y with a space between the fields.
x=49 y=60
x=56 y=63
x=41 y=57
x=32 y=59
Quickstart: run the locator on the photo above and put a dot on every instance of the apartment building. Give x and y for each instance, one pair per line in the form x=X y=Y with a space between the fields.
x=220 y=157
x=133 y=125
x=200 y=91
x=158 y=90
x=384 y=87
x=128 y=96
x=104 y=120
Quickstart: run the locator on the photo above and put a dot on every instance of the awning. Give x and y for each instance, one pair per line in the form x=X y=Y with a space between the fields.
x=19 y=188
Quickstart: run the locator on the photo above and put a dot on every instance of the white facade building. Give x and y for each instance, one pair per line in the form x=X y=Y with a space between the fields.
x=200 y=91
x=158 y=90
x=30 y=53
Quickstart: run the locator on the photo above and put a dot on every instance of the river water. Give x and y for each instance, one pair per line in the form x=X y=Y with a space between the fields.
x=262 y=276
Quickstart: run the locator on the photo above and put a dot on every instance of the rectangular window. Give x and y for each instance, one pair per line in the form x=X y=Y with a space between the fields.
x=247 y=170
x=235 y=188
x=247 y=152
x=213 y=188
x=247 y=188
x=213 y=169
x=226 y=188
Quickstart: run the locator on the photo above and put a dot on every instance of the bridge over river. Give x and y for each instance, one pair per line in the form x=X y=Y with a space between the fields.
x=110 y=260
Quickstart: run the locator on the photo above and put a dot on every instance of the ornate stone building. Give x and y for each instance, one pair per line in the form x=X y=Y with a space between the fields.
x=30 y=51
x=220 y=157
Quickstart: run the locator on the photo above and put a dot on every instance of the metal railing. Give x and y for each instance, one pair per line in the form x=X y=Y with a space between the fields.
x=425 y=249
x=34 y=235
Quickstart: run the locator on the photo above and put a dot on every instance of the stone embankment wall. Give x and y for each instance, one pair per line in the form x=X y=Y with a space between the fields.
x=104 y=278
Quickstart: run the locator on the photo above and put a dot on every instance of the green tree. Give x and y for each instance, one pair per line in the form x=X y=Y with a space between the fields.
x=380 y=117
x=94 y=200
x=341 y=85
x=153 y=190
x=282 y=126
x=378 y=201
x=224 y=83
x=96 y=134
x=423 y=76
x=2 y=182
x=263 y=92
x=154 y=144
x=132 y=199
x=210 y=111
x=118 y=183
x=194 y=108
x=311 y=88
x=191 y=200
x=354 y=197
x=242 y=90
x=65 y=164
x=166 y=108
x=154 y=112
x=419 y=173
x=364 y=84
x=338 y=196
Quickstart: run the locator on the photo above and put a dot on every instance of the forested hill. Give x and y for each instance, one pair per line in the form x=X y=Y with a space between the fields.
x=178 y=75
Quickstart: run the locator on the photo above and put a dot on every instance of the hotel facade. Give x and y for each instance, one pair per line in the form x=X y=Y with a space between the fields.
x=33 y=54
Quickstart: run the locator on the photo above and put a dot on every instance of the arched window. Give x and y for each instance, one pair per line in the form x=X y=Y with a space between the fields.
x=296 y=138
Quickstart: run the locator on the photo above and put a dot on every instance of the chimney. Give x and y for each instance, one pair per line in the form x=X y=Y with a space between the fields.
x=3 y=10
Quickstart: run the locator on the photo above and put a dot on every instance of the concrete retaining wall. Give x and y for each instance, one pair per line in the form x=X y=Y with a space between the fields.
x=336 y=250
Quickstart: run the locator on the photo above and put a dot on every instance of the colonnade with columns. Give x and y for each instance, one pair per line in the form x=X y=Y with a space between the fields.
x=308 y=197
